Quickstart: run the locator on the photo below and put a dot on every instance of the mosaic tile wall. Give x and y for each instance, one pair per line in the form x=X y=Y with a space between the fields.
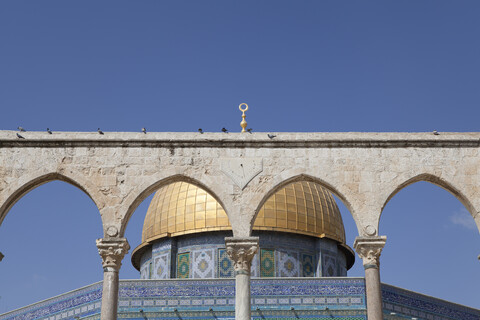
x=161 y=266
x=267 y=263
x=83 y=302
x=293 y=256
x=255 y=268
x=145 y=265
x=329 y=264
x=162 y=252
x=203 y=263
x=183 y=265
x=341 y=265
x=288 y=263
x=308 y=265
x=219 y=294
x=271 y=298
x=411 y=304
x=224 y=265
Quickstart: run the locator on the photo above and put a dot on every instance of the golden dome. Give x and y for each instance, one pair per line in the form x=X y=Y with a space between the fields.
x=181 y=208
x=300 y=207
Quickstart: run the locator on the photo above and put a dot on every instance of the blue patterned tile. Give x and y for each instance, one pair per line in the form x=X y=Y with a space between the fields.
x=225 y=265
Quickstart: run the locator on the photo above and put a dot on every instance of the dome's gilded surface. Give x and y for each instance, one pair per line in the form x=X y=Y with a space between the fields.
x=300 y=207
x=181 y=208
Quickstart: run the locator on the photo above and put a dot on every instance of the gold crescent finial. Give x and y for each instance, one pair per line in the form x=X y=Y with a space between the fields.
x=243 y=124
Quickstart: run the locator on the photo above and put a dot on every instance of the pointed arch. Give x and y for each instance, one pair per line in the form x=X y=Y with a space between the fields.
x=148 y=190
x=438 y=181
x=278 y=184
x=16 y=192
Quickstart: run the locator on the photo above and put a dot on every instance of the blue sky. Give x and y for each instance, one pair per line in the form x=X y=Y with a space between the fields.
x=179 y=65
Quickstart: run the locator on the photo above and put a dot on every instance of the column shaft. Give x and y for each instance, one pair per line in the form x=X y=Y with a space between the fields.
x=241 y=251
x=242 y=297
x=374 y=294
x=109 y=296
x=369 y=249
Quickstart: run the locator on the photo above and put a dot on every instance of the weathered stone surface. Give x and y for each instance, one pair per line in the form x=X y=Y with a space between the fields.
x=119 y=170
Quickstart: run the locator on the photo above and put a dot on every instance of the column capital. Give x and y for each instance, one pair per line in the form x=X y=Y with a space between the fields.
x=241 y=251
x=112 y=251
x=369 y=249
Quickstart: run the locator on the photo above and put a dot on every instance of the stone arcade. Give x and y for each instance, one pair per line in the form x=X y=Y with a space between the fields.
x=241 y=172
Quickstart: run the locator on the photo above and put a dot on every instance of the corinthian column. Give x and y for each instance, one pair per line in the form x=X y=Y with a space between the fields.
x=369 y=249
x=112 y=251
x=241 y=252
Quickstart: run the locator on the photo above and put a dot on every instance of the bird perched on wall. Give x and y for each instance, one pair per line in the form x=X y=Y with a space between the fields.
x=144 y=130
x=271 y=136
x=49 y=131
x=249 y=130
x=20 y=136
x=21 y=129
x=200 y=130
x=435 y=132
x=100 y=131
x=224 y=130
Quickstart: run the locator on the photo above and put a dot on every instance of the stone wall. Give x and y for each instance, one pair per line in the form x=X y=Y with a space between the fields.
x=119 y=170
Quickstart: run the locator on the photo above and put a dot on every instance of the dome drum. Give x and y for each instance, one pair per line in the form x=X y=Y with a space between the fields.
x=280 y=255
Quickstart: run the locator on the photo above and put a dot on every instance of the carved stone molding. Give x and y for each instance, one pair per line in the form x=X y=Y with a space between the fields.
x=112 y=251
x=370 y=249
x=241 y=251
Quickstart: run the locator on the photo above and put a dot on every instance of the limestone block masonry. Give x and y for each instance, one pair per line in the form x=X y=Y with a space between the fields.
x=119 y=170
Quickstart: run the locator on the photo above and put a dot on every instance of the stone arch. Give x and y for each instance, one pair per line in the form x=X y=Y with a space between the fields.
x=436 y=180
x=145 y=191
x=280 y=181
x=16 y=192
x=410 y=234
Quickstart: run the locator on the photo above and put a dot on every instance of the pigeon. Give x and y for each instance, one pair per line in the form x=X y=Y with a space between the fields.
x=224 y=130
x=19 y=136
x=100 y=131
x=21 y=129
x=144 y=130
x=271 y=136
x=200 y=130
x=435 y=132
x=49 y=131
x=249 y=130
